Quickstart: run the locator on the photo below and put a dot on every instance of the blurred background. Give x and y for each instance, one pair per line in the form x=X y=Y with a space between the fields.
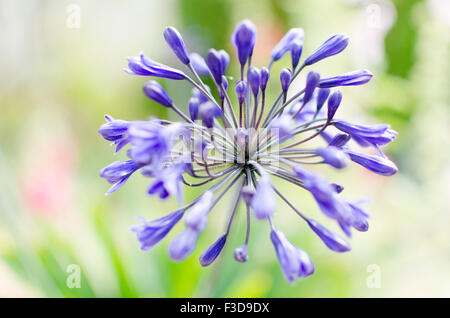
x=61 y=70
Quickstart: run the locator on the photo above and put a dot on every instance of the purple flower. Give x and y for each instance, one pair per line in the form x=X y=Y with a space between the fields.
x=197 y=218
x=208 y=111
x=244 y=38
x=332 y=240
x=284 y=126
x=294 y=262
x=183 y=244
x=211 y=253
x=240 y=152
x=241 y=91
x=334 y=45
x=151 y=233
x=224 y=59
x=168 y=182
x=198 y=94
x=144 y=66
x=263 y=202
x=265 y=75
x=286 y=43
x=254 y=79
x=360 y=217
x=225 y=87
x=241 y=254
x=175 y=41
x=311 y=83
x=333 y=103
x=339 y=140
x=296 y=52
x=193 y=108
x=322 y=97
x=214 y=62
x=117 y=173
x=115 y=130
x=348 y=79
x=155 y=91
x=199 y=64
x=379 y=165
x=333 y=156
x=367 y=135
x=330 y=203
x=285 y=79
x=150 y=142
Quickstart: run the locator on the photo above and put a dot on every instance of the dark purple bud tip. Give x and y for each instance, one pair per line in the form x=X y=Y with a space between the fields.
x=265 y=75
x=175 y=41
x=155 y=91
x=214 y=63
x=337 y=187
x=333 y=103
x=211 y=253
x=285 y=79
x=244 y=38
x=332 y=46
x=241 y=91
x=241 y=254
x=254 y=79
x=332 y=240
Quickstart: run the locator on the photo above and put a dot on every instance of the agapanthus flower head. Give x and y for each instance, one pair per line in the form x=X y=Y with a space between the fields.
x=242 y=142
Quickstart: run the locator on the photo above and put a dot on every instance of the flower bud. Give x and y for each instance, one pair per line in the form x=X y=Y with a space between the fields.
x=154 y=91
x=254 y=79
x=241 y=91
x=244 y=38
x=214 y=63
x=225 y=60
x=348 y=79
x=175 y=41
x=332 y=46
x=211 y=253
x=285 y=43
x=333 y=156
x=199 y=64
x=285 y=79
x=265 y=75
x=241 y=254
x=296 y=52
x=193 y=108
x=333 y=103
x=312 y=80
x=332 y=240
x=322 y=97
